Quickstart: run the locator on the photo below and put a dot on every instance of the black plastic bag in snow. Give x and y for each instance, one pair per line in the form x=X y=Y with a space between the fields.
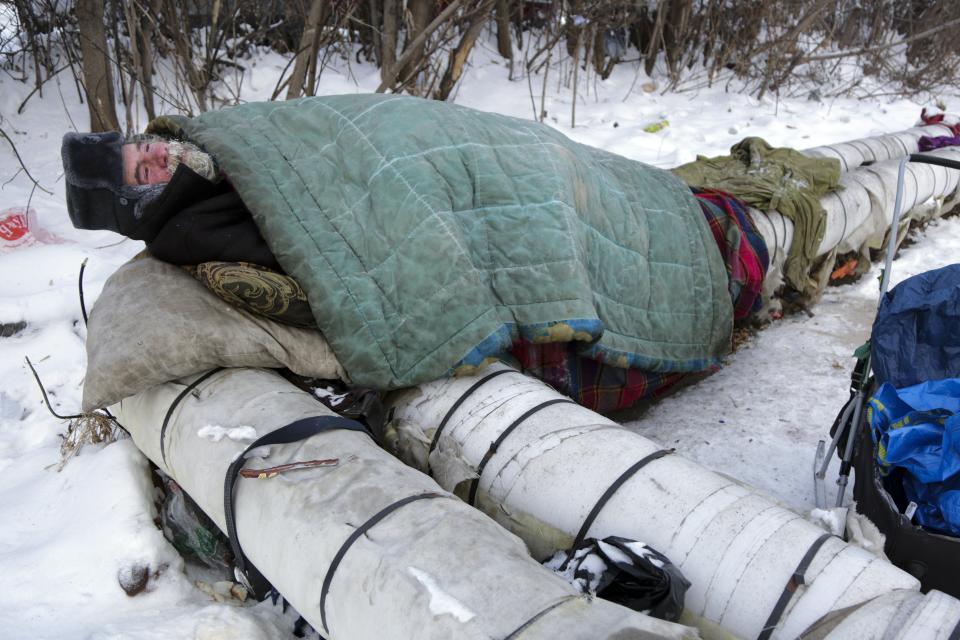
x=626 y=572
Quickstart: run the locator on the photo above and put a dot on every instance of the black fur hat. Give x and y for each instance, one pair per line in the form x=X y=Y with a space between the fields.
x=96 y=195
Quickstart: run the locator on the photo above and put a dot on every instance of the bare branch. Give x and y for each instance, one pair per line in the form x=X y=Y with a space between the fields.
x=884 y=47
x=391 y=76
x=22 y=165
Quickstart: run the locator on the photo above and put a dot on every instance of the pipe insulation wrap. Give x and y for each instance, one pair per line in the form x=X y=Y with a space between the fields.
x=854 y=153
x=434 y=568
x=864 y=205
x=859 y=214
x=898 y=615
x=868 y=195
x=738 y=547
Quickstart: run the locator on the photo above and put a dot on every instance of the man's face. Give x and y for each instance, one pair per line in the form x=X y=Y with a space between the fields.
x=146 y=163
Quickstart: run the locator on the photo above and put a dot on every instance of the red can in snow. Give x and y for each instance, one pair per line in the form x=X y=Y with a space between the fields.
x=14 y=226
x=19 y=228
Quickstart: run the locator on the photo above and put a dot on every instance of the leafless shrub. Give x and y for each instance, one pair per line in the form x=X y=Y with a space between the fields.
x=189 y=55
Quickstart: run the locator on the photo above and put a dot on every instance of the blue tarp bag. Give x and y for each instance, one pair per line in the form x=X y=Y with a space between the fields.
x=915 y=339
x=916 y=334
x=917 y=429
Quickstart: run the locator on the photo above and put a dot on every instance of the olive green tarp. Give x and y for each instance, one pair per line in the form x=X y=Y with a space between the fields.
x=774 y=179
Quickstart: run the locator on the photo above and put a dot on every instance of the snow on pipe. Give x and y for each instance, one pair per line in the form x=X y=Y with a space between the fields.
x=434 y=568
x=854 y=153
x=539 y=464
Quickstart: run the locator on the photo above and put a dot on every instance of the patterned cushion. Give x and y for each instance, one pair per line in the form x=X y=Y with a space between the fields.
x=258 y=290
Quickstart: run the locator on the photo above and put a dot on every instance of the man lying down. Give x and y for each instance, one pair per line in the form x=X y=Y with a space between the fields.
x=430 y=238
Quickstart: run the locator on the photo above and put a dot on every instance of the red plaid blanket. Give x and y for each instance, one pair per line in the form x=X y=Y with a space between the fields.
x=605 y=388
x=743 y=249
x=595 y=385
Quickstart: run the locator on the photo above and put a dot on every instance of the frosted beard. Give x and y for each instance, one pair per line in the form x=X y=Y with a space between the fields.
x=191 y=155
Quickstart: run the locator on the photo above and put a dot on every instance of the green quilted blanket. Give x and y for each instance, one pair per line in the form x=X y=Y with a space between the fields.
x=428 y=237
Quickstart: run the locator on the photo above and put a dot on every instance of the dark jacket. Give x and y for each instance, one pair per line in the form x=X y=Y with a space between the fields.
x=194 y=220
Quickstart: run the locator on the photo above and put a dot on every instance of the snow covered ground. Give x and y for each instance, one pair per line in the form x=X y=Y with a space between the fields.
x=66 y=536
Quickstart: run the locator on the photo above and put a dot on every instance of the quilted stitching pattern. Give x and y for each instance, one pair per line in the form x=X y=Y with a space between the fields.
x=428 y=236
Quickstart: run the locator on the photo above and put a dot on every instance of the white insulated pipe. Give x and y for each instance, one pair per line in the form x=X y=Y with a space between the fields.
x=864 y=206
x=890 y=146
x=433 y=569
x=737 y=546
x=861 y=211
x=898 y=615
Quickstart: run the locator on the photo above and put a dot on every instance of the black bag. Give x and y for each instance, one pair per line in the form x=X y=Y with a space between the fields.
x=932 y=558
x=626 y=572
x=914 y=338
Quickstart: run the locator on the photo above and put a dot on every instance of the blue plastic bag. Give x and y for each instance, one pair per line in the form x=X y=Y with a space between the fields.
x=916 y=334
x=917 y=429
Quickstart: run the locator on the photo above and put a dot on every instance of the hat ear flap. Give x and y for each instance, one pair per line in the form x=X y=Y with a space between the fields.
x=93 y=168
x=92 y=208
x=93 y=160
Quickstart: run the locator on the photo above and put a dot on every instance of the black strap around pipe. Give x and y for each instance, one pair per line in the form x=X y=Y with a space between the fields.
x=176 y=401
x=601 y=503
x=359 y=531
x=495 y=445
x=526 y=625
x=456 y=405
x=293 y=432
x=795 y=581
